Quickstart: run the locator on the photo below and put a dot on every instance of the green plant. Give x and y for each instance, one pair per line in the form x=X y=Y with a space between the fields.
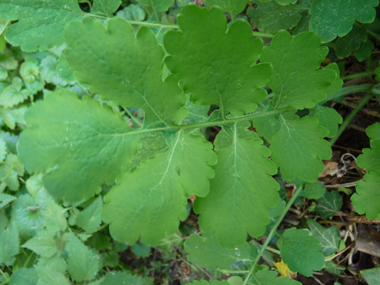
x=81 y=148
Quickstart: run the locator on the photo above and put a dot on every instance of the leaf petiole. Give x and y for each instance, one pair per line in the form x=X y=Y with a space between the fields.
x=271 y=233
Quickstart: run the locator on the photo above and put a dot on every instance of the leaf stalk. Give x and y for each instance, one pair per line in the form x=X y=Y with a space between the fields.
x=271 y=233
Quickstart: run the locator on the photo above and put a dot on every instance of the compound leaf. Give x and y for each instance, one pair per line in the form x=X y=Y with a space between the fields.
x=233 y=7
x=149 y=200
x=90 y=147
x=298 y=147
x=329 y=238
x=272 y=17
x=267 y=277
x=301 y=251
x=240 y=190
x=296 y=62
x=223 y=73
x=90 y=218
x=83 y=263
x=205 y=251
x=130 y=75
x=41 y=23
x=329 y=18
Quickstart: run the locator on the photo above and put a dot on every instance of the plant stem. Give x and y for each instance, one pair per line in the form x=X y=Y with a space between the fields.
x=343 y=126
x=166 y=26
x=271 y=233
x=350 y=89
x=356 y=75
x=276 y=251
x=262 y=35
x=373 y=34
x=182 y=2
x=227 y=271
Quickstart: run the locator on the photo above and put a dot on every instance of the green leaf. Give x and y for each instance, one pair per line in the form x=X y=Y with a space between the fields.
x=235 y=204
x=3 y=149
x=141 y=250
x=28 y=221
x=329 y=18
x=65 y=144
x=158 y=5
x=328 y=118
x=272 y=17
x=43 y=244
x=132 y=12
x=365 y=200
x=8 y=62
x=83 y=263
x=344 y=46
x=105 y=7
x=13 y=95
x=13 y=116
x=24 y=276
x=5 y=199
x=373 y=132
x=301 y=251
x=364 y=51
x=372 y=276
x=370 y=159
x=313 y=190
x=267 y=277
x=233 y=7
x=48 y=69
x=226 y=76
x=11 y=170
x=48 y=277
x=55 y=264
x=34 y=184
x=41 y=23
x=168 y=242
x=9 y=241
x=329 y=238
x=132 y=74
x=155 y=190
x=63 y=69
x=292 y=78
x=205 y=251
x=54 y=219
x=90 y=218
x=298 y=147
x=331 y=200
